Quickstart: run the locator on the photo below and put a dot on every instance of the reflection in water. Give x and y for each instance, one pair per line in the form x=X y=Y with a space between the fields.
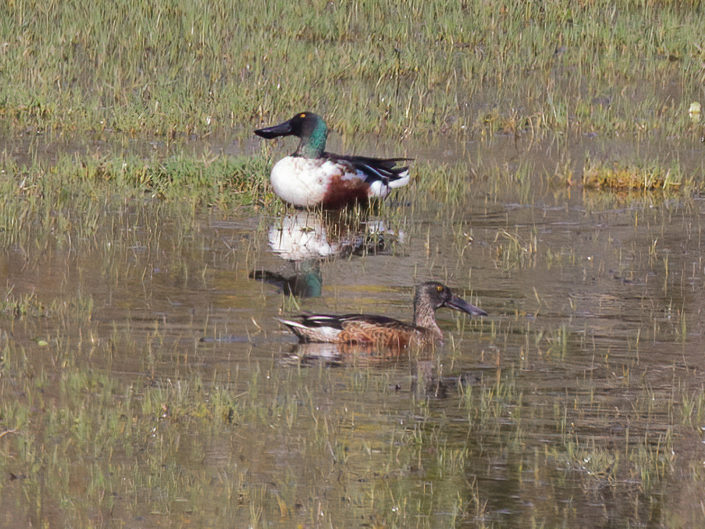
x=318 y=235
x=332 y=354
x=306 y=282
x=426 y=377
x=305 y=238
x=429 y=378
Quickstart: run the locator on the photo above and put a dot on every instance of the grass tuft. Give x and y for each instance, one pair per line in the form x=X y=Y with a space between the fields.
x=631 y=177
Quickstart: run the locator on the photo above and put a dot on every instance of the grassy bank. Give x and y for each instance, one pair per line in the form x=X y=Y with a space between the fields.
x=419 y=68
x=70 y=196
x=100 y=200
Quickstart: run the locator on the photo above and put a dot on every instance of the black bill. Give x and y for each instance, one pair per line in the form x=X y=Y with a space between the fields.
x=460 y=304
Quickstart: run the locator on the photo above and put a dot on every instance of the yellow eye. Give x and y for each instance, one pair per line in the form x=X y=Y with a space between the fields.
x=439 y=288
x=302 y=115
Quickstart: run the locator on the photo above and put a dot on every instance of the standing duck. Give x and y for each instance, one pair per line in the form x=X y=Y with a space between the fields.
x=313 y=177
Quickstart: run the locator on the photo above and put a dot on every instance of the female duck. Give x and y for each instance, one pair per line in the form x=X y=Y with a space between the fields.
x=367 y=329
x=313 y=177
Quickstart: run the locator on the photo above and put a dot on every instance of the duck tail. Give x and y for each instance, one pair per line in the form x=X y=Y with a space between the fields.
x=311 y=334
x=401 y=180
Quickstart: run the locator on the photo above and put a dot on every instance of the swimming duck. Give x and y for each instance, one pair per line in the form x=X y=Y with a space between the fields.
x=365 y=329
x=313 y=177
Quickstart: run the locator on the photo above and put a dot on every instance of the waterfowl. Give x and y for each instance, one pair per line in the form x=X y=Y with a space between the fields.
x=365 y=329
x=313 y=177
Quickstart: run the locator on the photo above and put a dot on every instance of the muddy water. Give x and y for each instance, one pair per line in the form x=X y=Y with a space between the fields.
x=564 y=407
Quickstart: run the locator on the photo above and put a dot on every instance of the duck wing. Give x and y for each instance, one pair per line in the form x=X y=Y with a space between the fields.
x=365 y=328
x=384 y=169
x=353 y=328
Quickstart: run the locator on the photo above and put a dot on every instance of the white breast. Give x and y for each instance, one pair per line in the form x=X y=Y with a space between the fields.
x=301 y=181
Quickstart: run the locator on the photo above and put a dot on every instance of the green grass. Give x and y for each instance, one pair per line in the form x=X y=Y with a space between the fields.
x=172 y=68
x=112 y=411
x=71 y=198
x=138 y=441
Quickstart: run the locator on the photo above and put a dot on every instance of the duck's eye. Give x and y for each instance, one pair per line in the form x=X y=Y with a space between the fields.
x=439 y=288
x=302 y=115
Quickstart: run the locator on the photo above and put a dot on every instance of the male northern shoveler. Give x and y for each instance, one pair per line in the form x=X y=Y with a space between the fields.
x=313 y=177
x=366 y=329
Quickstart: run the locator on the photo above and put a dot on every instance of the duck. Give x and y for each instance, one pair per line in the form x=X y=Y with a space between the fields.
x=381 y=330
x=312 y=177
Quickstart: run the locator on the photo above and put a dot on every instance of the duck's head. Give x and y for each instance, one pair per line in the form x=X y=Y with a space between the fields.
x=437 y=295
x=308 y=126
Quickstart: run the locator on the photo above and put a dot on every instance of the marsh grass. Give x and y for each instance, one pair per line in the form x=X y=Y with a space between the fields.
x=515 y=250
x=76 y=197
x=346 y=444
x=581 y=451
x=193 y=67
x=130 y=435
x=627 y=178
x=113 y=411
x=22 y=305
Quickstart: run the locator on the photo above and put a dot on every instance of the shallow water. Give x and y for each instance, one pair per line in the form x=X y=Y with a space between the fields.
x=564 y=407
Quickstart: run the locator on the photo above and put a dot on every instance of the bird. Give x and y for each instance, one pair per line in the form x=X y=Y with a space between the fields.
x=381 y=330
x=312 y=177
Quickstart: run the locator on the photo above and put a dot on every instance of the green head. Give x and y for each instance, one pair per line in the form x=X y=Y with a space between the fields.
x=308 y=126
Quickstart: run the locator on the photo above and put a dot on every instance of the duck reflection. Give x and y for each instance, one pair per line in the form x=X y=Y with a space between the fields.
x=420 y=372
x=306 y=235
x=335 y=355
x=306 y=282
x=306 y=238
x=429 y=379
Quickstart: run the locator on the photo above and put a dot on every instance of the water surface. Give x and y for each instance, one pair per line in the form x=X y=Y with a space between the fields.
x=567 y=406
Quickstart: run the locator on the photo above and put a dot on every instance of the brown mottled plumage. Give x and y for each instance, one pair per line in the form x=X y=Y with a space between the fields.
x=365 y=329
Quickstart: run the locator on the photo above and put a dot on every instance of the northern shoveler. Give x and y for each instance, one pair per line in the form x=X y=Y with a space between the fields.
x=313 y=177
x=364 y=329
